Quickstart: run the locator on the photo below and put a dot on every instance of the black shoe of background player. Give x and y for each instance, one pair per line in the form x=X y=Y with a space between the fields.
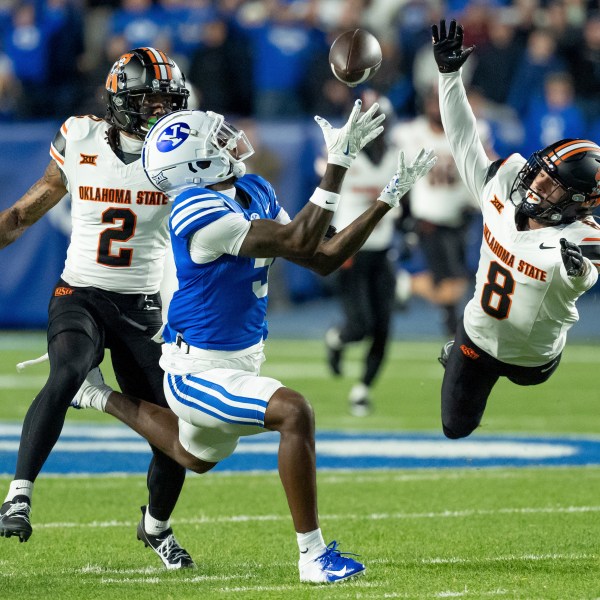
x=334 y=351
x=166 y=546
x=15 y=518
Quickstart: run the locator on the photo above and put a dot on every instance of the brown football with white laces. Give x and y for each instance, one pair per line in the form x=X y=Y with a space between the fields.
x=355 y=57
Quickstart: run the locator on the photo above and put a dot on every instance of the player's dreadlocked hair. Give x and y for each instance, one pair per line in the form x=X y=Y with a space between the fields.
x=113 y=139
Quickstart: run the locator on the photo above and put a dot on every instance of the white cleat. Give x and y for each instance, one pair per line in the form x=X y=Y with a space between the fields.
x=360 y=401
x=93 y=393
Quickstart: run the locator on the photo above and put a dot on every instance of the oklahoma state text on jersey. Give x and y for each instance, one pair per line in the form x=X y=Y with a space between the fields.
x=524 y=301
x=120 y=224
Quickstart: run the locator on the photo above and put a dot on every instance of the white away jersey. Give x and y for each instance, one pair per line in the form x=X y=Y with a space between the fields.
x=362 y=185
x=440 y=197
x=119 y=222
x=524 y=301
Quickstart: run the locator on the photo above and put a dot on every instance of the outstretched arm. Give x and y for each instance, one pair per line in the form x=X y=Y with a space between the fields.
x=457 y=116
x=301 y=237
x=335 y=251
x=34 y=204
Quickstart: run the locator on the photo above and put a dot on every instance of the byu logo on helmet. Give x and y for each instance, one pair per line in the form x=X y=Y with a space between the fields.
x=172 y=137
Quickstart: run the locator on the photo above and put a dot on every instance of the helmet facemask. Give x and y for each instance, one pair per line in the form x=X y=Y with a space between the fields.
x=136 y=113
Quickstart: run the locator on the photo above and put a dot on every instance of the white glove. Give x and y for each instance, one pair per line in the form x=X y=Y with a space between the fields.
x=405 y=177
x=345 y=143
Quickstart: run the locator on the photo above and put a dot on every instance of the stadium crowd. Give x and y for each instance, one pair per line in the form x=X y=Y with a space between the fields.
x=537 y=67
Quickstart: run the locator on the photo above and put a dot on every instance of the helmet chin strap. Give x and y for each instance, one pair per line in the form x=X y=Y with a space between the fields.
x=239 y=169
x=552 y=215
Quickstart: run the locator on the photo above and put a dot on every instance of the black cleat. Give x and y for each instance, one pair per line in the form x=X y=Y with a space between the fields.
x=14 y=518
x=334 y=351
x=166 y=546
x=443 y=357
x=334 y=360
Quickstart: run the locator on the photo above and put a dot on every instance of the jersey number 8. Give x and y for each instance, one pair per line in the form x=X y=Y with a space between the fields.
x=496 y=297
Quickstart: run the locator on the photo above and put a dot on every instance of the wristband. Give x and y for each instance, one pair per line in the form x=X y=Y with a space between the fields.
x=325 y=199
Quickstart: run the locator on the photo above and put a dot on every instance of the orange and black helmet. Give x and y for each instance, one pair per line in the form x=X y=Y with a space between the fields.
x=134 y=77
x=574 y=165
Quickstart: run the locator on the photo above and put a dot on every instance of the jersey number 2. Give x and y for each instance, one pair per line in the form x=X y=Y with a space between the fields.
x=122 y=258
x=496 y=297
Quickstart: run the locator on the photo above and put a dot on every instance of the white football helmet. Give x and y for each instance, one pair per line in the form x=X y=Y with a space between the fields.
x=190 y=148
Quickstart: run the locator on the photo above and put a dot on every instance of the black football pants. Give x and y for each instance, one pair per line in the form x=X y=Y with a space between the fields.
x=82 y=323
x=367 y=289
x=470 y=376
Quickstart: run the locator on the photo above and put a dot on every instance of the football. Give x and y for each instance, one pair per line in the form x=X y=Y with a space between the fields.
x=355 y=56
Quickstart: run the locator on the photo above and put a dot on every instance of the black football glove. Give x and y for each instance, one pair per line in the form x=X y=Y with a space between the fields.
x=447 y=48
x=572 y=258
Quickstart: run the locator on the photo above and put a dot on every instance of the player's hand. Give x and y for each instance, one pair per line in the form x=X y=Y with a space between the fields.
x=405 y=177
x=572 y=258
x=447 y=48
x=345 y=143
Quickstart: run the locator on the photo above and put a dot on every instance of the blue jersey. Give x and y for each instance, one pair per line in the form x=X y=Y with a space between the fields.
x=219 y=305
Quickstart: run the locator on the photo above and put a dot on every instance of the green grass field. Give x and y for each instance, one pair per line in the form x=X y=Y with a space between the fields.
x=428 y=533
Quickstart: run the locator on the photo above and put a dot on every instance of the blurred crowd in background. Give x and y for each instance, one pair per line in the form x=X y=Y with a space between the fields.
x=536 y=68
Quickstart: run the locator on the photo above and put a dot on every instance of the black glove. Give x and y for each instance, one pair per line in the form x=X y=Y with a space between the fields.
x=447 y=49
x=572 y=258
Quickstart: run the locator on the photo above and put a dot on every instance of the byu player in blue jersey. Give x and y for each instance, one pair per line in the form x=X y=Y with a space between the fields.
x=226 y=229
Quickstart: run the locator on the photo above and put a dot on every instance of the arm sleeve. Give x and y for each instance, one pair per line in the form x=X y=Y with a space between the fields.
x=282 y=217
x=461 y=130
x=223 y=236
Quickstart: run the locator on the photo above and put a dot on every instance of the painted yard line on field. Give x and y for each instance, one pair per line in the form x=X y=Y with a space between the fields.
x=334 y=476
x=446 y=514
x=355 y=582
x=487 y=559
x=442 y=560
x=22 y=382
x=361 y=583
x=278 y=370
x=466 y=592
x=378 y=475
x=100 y=570
x=195 y=579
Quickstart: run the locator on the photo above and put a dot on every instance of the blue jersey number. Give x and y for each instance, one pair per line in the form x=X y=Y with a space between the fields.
x=260 y=285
